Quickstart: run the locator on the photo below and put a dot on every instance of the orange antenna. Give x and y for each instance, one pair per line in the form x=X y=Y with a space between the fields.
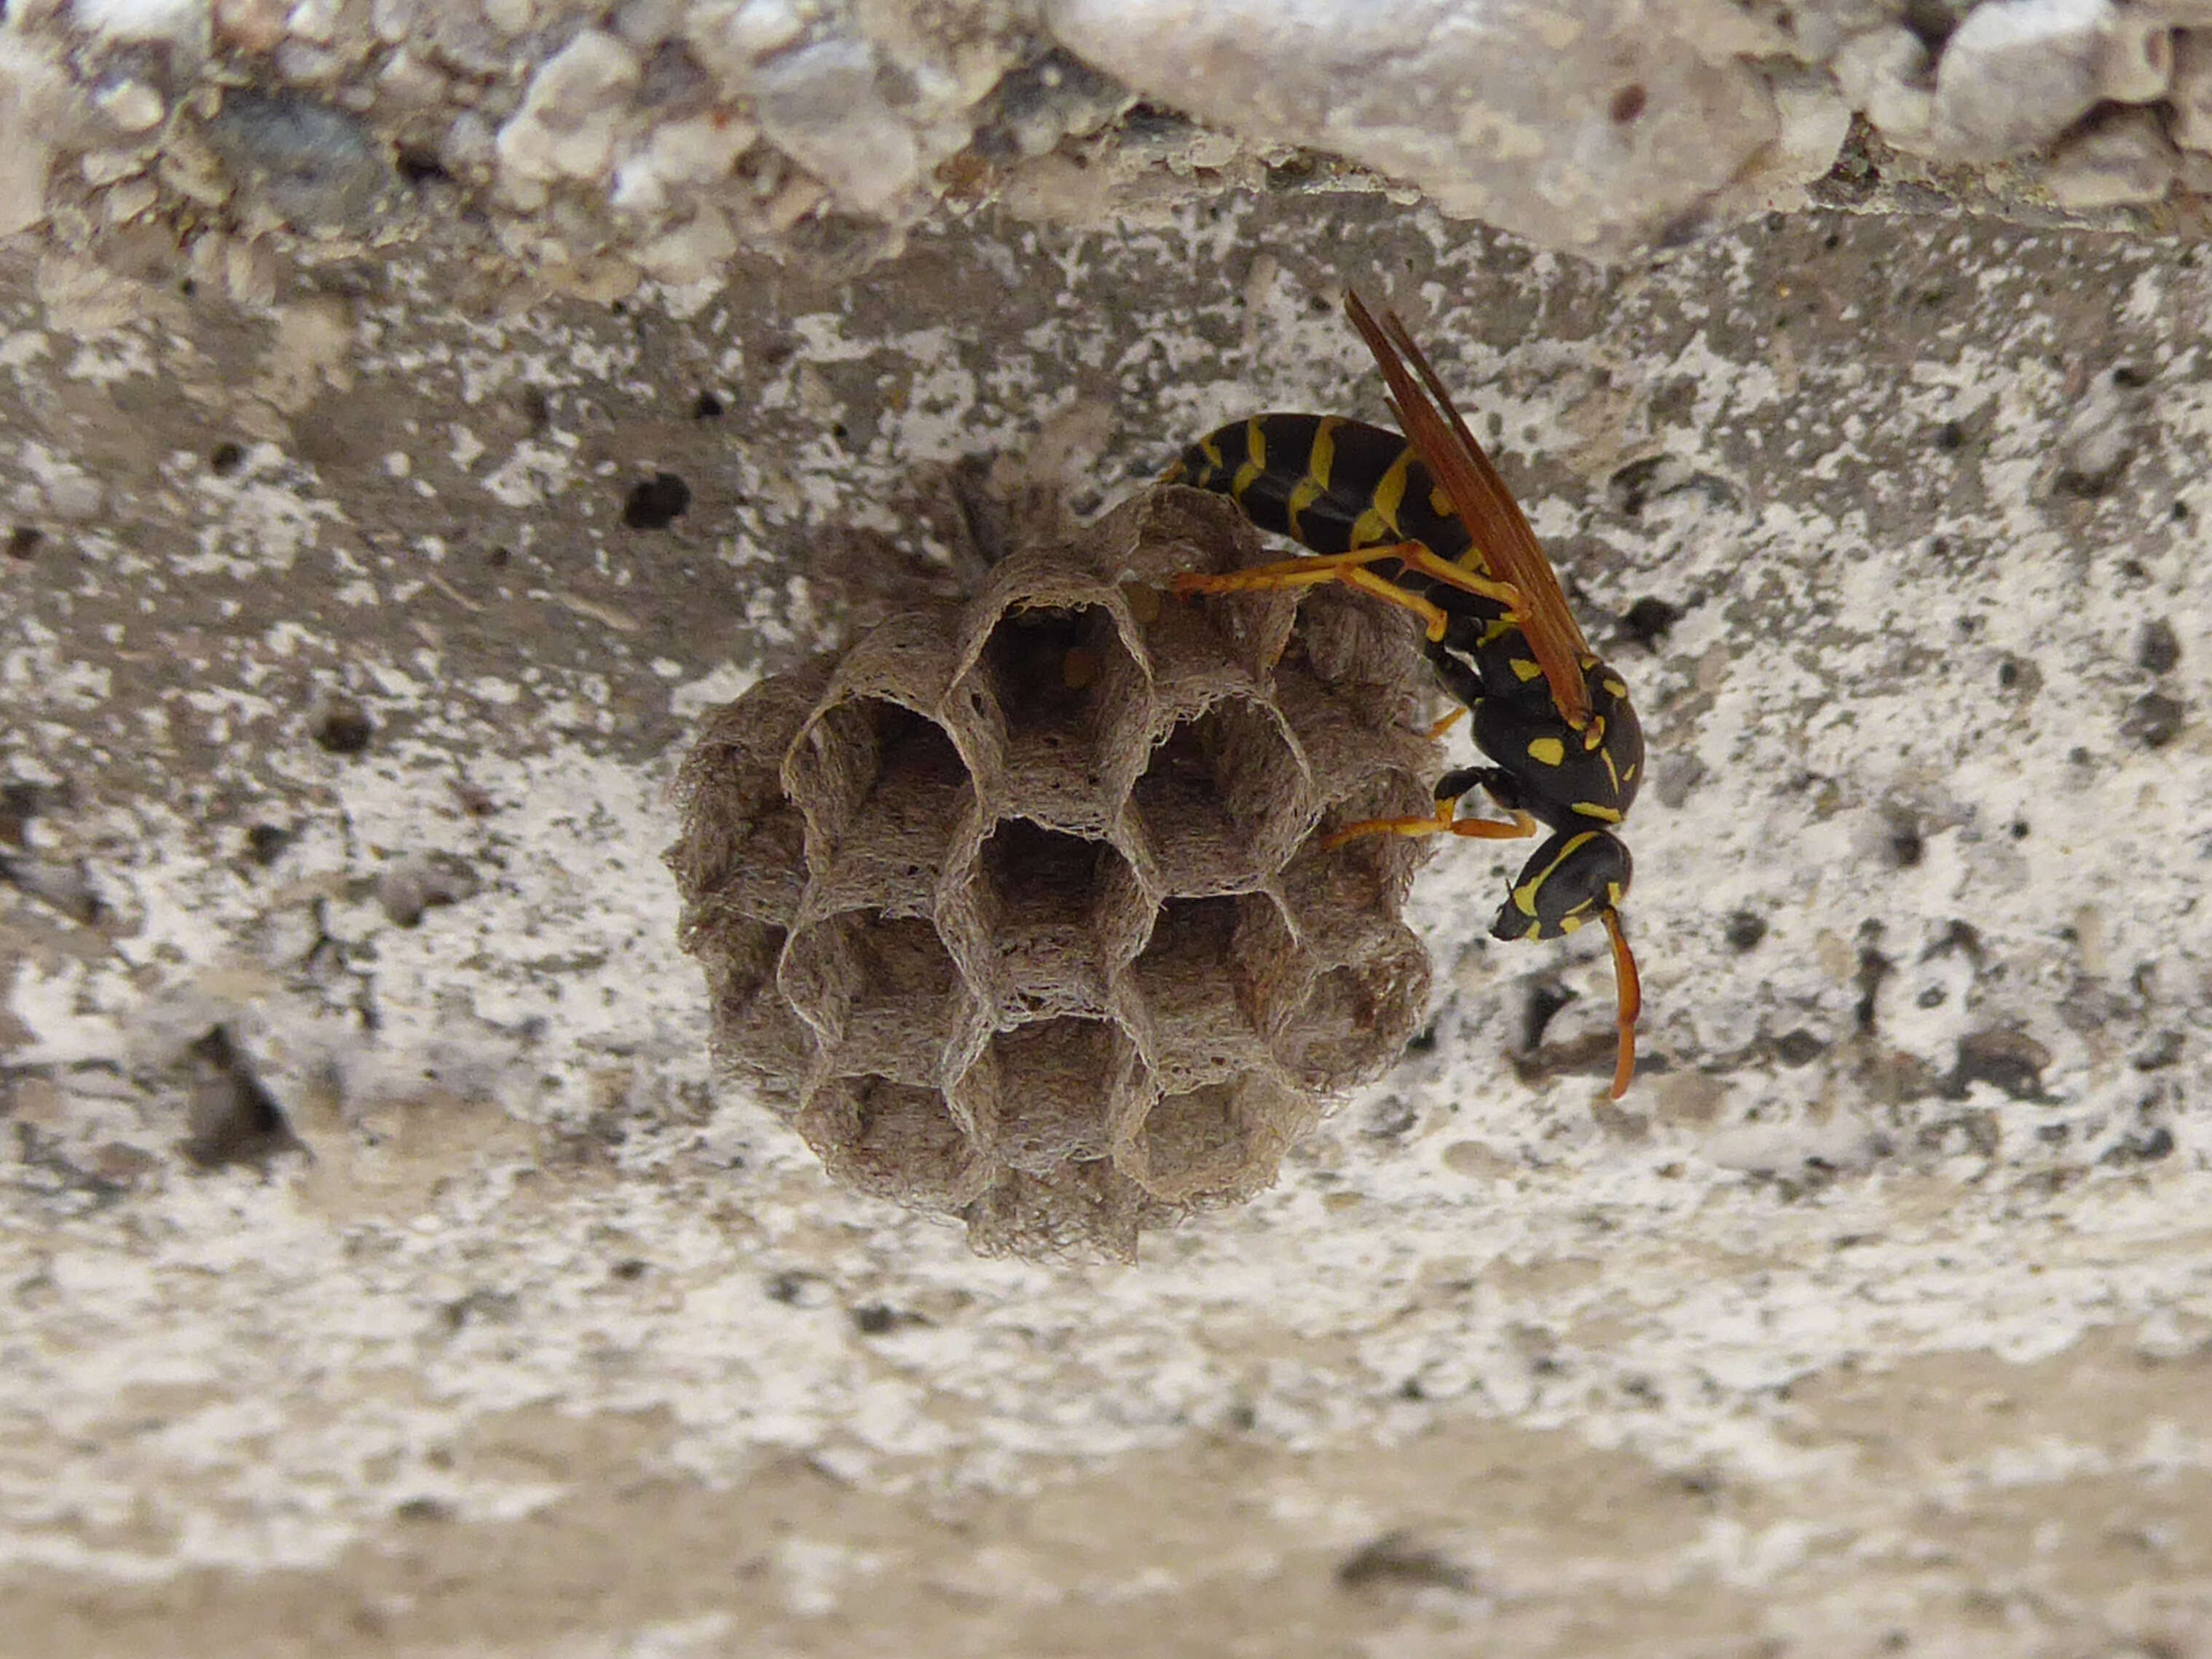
x=1628 y=993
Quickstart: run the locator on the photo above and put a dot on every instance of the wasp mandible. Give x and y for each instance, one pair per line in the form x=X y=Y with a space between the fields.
x=1425 y=522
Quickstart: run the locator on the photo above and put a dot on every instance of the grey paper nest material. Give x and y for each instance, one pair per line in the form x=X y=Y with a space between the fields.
x=1017 y=911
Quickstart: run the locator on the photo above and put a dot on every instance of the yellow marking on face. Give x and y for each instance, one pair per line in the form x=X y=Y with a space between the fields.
x=1590 y=809
x=1614 y=686
x=1629 y=776
x=1441 y=504
x=1524 y=896
x=1547 y=751
x=1380 y=521
x=1524 y=670
x=1605 y=755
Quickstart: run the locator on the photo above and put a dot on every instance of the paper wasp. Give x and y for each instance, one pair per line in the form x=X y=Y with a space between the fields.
x=1425 y=522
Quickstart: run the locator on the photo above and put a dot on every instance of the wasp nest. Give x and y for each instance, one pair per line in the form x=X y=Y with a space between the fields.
x=1019 y=911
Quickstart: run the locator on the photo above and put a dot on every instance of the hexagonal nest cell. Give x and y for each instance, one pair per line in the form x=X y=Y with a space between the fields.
x=1018 y=912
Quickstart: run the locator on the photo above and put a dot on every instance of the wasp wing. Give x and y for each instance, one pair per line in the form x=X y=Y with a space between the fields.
x=1484 y=504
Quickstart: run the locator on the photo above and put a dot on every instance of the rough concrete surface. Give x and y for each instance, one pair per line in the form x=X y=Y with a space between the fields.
x=444 y=1304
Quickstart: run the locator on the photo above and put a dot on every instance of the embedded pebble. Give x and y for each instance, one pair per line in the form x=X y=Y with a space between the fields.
x=410 y=82
x=2154 y=719
x=2190 y=96
x=823 y=105
x=1056 y=96
x=568 y=122
x=252 y=25
x=2158 y=647
x=129 y=199
x=311 y=165
x=132 y=106
x=647 y=23
x=1884 y=75
x=681 y=155
x=691 y=254
x=104 y=167
x=1578 y=124
x=2124 y=158
x=31 y=91
x=184 y=21
x=731 y=36
x=315 y=20
x=2136 y=65
x=409 y=886
x=1812 y=124
x=391 y=20
x=2100 y=437
x=2016 y=74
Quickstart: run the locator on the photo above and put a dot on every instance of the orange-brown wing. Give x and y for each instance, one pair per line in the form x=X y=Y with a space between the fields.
x=1484 y=504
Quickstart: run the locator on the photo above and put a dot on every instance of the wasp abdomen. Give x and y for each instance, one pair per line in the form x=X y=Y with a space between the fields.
x=1329 y=484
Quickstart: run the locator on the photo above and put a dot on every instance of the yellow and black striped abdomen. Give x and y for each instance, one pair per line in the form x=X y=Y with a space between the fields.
x=1331 y=485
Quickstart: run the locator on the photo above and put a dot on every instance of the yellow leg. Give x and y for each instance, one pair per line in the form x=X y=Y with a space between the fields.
x=1447 y=722
x=1438 y=822
x=1432 y=616
x=1351 y=569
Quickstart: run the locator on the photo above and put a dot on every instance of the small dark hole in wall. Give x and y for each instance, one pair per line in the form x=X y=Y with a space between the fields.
x=1628 y=103
x=343 y=727
x=1745 y=930
x=266 y=842
x=657 y=502
x=420 y=167
x=1649 y=619
x=233 y=1118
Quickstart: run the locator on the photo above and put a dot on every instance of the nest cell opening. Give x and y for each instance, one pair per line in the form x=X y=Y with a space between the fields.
x=1063 y=678
x=1199 y=975
x=880 y=988
x=1354 y=1021
x=1056 y=906
x=895 y=1140
x=1219 y=797
x=1362 y=651
x=757 y=868
x=1199 y=1143
x=1052 y=1087
x=892 y=786
x=1365 y=877
x=1079 y=1207
x=755 y=1030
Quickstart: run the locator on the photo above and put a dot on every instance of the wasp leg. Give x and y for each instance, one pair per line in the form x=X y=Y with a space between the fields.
x=1447 y=722
x=1351 y=569
x=1443 y=821
x=1628 y=991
